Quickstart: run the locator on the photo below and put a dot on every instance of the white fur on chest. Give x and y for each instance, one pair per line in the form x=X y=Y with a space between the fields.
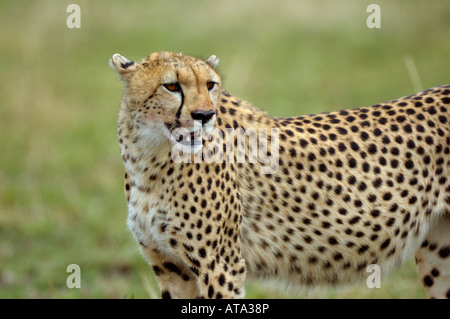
x=147 y=223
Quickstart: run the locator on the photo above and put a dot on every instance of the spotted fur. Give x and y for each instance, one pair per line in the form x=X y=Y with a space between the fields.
x=352 y=188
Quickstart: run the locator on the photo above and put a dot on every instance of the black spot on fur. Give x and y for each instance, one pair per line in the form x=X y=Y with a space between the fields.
x=444 y=252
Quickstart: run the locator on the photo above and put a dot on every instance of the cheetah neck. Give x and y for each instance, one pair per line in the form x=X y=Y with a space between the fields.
x=143 y=149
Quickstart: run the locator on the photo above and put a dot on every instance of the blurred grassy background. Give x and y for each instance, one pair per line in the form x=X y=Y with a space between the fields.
x=61 y=198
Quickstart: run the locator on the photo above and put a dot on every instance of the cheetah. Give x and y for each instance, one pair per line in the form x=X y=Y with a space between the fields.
x=340 y=191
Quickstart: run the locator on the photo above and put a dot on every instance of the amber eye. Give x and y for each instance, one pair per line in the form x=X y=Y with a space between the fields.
x=210 y=85
x=173 y=87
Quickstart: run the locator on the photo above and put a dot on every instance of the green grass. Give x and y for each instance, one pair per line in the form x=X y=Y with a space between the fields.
x=61 y=198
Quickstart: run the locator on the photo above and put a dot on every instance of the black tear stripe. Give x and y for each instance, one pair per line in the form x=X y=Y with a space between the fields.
x=149 y=97
x=178 y=114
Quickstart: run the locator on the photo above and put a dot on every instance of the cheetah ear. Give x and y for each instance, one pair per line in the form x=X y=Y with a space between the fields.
x=123 y=67
x=212 y=61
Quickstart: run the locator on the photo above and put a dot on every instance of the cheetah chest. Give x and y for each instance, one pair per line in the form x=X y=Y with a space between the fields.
x=149 y=222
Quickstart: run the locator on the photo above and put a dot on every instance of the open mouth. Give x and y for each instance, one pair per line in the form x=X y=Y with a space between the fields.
x=185 y=136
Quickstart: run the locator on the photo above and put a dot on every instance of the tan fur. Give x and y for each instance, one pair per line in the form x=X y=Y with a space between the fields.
x=349 y=189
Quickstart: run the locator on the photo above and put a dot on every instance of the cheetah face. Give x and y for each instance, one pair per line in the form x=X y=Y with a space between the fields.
x=173 y=97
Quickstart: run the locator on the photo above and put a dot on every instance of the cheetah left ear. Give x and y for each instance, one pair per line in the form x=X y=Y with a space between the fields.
x=122 y=66
x=212 y=61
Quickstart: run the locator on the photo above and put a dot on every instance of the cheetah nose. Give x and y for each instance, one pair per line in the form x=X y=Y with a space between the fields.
x=202 y=115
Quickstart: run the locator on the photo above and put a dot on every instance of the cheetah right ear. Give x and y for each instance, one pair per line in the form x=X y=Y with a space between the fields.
x=123 y=67
x=212 y=61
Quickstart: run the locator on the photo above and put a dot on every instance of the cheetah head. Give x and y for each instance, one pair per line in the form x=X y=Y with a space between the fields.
x=170 y=96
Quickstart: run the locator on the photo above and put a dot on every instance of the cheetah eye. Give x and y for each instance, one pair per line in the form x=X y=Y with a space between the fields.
x=210 y=85
x=173 y=87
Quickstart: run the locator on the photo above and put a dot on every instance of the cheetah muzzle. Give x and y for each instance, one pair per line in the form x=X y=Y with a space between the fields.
x=351 y=189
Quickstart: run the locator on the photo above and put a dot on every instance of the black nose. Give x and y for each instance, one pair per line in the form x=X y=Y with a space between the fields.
x=202 y=115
